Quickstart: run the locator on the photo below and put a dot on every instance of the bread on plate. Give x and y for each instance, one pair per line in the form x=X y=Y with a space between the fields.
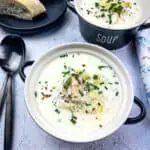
x=23 y=9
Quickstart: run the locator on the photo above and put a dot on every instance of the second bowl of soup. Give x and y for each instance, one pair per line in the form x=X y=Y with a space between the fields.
x=110 y=23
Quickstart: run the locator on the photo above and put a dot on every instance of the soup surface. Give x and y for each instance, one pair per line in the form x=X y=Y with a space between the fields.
x=78 y=92
x=111 y=13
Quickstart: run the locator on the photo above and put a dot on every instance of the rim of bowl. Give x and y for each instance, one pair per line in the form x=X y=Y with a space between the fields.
x=141 y=22
x=54 y=134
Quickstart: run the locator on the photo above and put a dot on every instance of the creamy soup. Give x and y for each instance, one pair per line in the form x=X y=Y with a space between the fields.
x=78 y=92
x=111 y=13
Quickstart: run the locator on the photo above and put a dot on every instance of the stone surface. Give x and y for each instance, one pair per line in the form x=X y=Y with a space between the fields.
x=28 y=136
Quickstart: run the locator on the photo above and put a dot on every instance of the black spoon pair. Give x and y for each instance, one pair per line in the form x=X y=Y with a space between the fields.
x=12 y=55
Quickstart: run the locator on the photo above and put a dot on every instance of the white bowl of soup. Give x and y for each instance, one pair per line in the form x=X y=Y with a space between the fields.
x=110 y=23
x=80 y=93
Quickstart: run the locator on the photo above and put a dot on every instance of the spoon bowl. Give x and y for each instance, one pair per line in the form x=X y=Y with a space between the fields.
x=14 y=53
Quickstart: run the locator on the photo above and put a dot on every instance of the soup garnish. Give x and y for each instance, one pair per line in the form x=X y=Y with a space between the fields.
x=111 y=12
x=80 y=88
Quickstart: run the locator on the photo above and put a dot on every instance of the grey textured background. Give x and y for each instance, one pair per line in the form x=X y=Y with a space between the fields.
x=28 y=136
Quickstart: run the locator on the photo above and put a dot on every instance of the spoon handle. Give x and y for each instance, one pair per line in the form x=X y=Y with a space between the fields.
x=8 y=129
x=2 y=94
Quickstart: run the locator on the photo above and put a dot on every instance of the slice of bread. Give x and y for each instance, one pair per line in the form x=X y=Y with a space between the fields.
x=23 y=9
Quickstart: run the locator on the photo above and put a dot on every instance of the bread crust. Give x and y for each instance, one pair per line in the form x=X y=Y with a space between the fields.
x=23 y=9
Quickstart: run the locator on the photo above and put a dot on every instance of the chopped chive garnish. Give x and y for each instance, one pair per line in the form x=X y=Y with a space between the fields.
x=64 y=55
x=65 y=66
x=35 y=94
x=101 y=67
x=101 y=83
x=90 y=86
x=88 y=11
x=73 y=119
x=69 y=96
x=106 y=87
x=116 y=82
x=98 y=16
x=96 y=4
x=117 y=93
x=88 y=104
x=99 y=104
x=110 y=18
x=42 y=93
x=81 y=93
x=95 y=77
x=83 y=65
x=67 y=82
x=65 y=73
x=102 y=15
x=57 y=111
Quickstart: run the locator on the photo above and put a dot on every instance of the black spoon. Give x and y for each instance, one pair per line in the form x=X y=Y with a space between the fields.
x=4 y=52
x=15 y=58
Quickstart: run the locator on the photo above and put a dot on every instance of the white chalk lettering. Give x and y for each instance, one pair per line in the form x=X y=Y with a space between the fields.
x=106 y=39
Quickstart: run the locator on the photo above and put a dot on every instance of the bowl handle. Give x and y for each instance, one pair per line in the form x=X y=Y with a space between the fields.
x=142 y=114
x=22 y=69
x=70 y=4
x=145 y=25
